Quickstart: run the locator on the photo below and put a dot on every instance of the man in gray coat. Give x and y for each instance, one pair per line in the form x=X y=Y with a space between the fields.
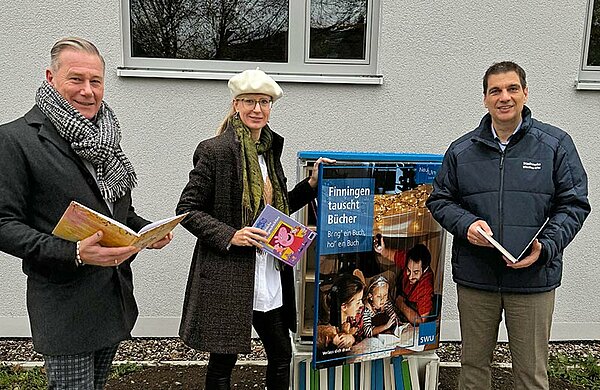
x=79 y=294
x=507 y=177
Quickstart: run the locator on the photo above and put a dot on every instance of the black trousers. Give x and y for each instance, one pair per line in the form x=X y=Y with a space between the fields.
x=276 y=340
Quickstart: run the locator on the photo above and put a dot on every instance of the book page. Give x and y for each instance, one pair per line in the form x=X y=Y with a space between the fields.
x=152 y=225
x=497 y=245
x=533 y=239
x=156 y=231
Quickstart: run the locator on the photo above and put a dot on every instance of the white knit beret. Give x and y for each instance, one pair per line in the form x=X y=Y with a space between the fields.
x=254 y=81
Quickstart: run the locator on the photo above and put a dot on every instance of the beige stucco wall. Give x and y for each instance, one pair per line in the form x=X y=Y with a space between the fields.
x=432 y=56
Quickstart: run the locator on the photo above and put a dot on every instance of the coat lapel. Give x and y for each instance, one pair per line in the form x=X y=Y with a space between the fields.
x=36 y=118
x=235 y=146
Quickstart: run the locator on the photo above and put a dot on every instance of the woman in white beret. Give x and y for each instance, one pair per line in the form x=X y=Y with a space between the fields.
x=232 y=285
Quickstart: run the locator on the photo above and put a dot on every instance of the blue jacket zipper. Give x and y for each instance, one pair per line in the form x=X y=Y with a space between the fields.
x=500 y=208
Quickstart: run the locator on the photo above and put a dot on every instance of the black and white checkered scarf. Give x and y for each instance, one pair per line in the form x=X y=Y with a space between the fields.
x=97 y=142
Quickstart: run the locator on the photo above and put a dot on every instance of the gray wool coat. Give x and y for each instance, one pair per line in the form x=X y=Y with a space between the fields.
x=217 y=310
x=71 y=309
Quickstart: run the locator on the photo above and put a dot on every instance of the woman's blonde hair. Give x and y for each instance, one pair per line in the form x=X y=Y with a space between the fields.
x=225 y=120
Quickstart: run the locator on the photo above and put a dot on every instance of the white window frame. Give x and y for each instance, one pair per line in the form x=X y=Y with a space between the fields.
x=298 y=68
x=589 y=76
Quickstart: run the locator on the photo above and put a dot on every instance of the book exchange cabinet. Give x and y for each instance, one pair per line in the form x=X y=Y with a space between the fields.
x=369 y=287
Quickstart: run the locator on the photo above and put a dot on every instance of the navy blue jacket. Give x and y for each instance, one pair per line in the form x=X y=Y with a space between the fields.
x=538 y=175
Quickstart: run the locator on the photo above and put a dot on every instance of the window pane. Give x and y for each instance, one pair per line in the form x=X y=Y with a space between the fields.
x=594 y=48
x=235 y=30
x=338 y=29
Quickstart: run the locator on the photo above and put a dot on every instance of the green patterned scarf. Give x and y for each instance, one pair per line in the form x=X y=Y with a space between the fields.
x=253 y=184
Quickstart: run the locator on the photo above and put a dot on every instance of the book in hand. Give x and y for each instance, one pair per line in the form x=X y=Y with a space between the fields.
x=79 y=222
x=504 y=251
x=287 y=239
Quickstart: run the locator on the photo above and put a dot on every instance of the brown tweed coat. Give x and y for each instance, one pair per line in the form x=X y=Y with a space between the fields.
x=217 y=310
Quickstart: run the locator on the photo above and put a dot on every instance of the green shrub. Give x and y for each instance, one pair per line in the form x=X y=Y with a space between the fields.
x=120 y=370
x=583 y=371
x=19 y=378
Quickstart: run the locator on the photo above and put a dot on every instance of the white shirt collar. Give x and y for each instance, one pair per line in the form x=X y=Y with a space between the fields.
x=495 y=135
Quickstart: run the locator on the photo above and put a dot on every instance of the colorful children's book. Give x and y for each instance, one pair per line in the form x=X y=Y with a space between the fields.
x=287 y=239
x=79 y=222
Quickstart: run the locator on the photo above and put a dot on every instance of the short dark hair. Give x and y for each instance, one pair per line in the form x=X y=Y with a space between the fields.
x=504 y=67
x=419 y=254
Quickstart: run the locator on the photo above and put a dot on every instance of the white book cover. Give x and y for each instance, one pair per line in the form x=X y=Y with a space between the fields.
x=503 y=250
x=431 y=375
x=365 y=375
x=413 y=367
x=338 y=376
x=388 y=380
x=323 y=378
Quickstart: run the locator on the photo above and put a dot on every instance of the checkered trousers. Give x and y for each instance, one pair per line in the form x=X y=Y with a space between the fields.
x=86 y=371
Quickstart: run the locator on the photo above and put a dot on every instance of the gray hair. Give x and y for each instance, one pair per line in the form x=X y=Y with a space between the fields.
x=72 y=43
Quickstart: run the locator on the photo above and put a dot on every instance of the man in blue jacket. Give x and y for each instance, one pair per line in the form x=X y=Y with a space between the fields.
x=506 y=177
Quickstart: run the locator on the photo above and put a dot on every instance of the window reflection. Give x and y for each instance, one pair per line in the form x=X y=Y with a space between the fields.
x=594 y=48
x=338 y=29
x=235 y=30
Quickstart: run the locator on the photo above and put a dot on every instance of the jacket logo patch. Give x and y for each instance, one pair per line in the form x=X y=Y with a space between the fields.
x=532 y=165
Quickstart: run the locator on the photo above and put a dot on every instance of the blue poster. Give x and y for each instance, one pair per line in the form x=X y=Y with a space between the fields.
x=346 y=215
x=380 y=262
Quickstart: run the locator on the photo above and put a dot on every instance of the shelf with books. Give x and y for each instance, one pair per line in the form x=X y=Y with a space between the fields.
x=415 y=372
x=307 y=312
x=306 y=269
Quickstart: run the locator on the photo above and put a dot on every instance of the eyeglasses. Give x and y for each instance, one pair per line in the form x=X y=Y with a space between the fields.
x=264 y=103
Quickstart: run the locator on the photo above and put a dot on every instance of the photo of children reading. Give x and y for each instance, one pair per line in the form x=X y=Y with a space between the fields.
x=379 y=315
x=414 y=283
x=380 y=277
x=341 y=311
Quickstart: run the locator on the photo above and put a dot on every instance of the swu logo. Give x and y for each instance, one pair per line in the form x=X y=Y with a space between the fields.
x=427 y=333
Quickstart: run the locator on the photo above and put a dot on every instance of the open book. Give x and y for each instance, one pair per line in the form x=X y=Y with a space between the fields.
x=287 y=239
x=503 y=250
x=79 y=222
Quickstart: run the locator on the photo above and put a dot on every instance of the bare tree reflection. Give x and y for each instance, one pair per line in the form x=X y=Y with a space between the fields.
x=594 y=49
x=337 y=28
x=254 y=30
